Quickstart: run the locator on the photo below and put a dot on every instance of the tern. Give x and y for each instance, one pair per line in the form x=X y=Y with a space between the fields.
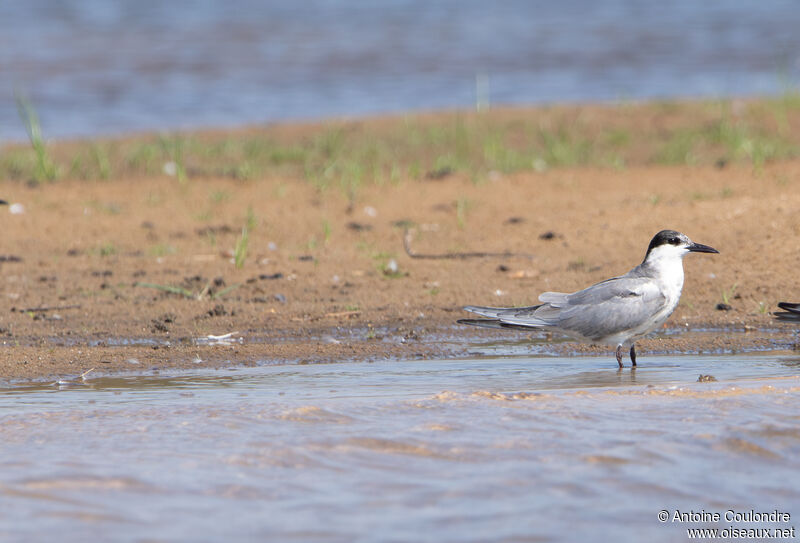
x=791 y=311
x=617 y=311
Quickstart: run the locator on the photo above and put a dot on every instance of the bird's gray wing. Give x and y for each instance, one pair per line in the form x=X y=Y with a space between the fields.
x=607 y=308
x=598 y=311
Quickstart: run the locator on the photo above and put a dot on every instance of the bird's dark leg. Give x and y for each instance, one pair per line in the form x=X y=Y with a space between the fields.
x=633 y=356
x=619 y=355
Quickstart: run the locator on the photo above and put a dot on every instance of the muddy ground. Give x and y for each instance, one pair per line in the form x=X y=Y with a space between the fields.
x=326 y=277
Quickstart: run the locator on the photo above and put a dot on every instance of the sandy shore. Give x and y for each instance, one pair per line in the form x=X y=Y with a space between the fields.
x=88 y=264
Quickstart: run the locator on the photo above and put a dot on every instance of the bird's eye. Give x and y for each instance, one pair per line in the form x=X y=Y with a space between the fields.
x=674 y=241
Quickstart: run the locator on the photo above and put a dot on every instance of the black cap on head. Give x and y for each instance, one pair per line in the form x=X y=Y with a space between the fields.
x=672 y=237
x=666 y=237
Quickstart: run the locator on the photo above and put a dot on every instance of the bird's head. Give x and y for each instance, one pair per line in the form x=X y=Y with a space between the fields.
x=669 y=244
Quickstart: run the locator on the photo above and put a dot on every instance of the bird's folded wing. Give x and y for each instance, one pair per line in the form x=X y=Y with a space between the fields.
x=616 y=304
x=612 y=306
x=620 y=303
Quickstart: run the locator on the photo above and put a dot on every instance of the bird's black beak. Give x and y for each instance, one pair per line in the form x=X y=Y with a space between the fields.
x=3 y=203
x=700 y=248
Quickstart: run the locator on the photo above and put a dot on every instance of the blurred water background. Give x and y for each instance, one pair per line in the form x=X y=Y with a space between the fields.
x=98 y=67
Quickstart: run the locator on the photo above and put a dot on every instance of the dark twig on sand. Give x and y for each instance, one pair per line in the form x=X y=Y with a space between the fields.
x=455 y=256
x=45 y=308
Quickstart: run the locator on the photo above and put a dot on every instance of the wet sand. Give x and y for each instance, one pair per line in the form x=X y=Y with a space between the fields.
x=327 y=278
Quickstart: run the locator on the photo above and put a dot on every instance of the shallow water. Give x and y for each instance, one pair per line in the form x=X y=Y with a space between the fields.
x=500 y=449
x=97 y=67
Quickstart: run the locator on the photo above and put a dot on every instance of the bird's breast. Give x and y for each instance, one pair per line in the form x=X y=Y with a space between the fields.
x=671 y=286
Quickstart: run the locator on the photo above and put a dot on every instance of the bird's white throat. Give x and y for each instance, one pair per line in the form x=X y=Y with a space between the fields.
x=665 y=263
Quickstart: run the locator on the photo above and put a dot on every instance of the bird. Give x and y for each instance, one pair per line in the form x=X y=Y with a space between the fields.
x=618 y=311
x=791 y=311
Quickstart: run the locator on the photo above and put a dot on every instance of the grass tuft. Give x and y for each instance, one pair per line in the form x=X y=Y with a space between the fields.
x=45 y=167
x=351 y=155
x=240 y=251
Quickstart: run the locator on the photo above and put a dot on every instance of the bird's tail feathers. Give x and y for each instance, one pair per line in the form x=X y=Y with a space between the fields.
x=499 y=312
x=493 y=323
